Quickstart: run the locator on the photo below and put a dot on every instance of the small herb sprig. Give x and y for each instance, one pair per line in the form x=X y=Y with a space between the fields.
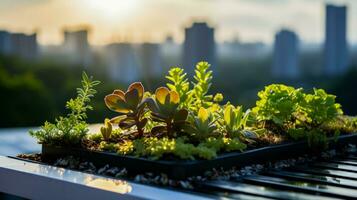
x=70 y=130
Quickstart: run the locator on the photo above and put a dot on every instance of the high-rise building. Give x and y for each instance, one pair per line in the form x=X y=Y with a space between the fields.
x=285 y=55
x=199 y=46
x=19 y=44
x=76 y=46
x=5 y=42
x=336 y=52
x=150 y=59
x=123 y=65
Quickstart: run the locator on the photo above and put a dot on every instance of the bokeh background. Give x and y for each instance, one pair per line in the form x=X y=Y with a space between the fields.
x=46 y=44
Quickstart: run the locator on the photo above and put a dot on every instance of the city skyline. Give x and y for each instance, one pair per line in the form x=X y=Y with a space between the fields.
x=138 y=21
x=336 y=48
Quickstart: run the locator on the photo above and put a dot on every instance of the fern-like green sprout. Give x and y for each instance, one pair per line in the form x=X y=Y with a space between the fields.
x=203 y=81
x=180 y=84
x=70 y=130
x=80 y=105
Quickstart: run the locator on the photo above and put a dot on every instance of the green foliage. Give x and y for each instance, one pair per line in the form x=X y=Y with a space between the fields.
x=125 y=148
x=319 y=107
x=156 y=148
x=235 y=120
x=71 y=129
x=80 y=105
x=96 y=137
x=165 y=109
x=179 y=83
x=218 y=97
x=301 y=115
x=278 y=103
x=224 y=144
x=24 y=101
x=203 y=81
x=197 y=97
x=202 y=126
x=283 y=104
x=130 y=107
x=189 y=123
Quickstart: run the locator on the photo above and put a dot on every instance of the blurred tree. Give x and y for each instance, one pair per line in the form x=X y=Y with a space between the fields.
x=345 y=89
x=24 y=100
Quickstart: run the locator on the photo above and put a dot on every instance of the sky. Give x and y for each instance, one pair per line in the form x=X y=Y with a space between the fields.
x=153 y=20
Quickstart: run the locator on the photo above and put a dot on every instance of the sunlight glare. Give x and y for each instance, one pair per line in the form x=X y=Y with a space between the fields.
x=111 y=9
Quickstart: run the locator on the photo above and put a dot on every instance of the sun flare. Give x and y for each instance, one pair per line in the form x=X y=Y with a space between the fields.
x=110 y=9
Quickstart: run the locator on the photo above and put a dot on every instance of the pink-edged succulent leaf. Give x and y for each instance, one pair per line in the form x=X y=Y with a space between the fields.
x=161 y=94
x=116 y=103
x=174 y=98
x=139 y=87
x=119 y=93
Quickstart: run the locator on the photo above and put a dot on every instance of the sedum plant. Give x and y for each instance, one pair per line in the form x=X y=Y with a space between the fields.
x=224 y=144
x=179 y=83
x=203 y=81
x=130 y=107
x=70 y=129
x=165 y=109
x=193 y=99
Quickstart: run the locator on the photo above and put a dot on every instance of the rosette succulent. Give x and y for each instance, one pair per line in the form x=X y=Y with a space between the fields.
x=203 y=125
x=165 y=109
x=130 y=107
x=235 y=120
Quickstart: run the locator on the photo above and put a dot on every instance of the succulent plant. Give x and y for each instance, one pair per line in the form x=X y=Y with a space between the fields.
x=130 y=106
x=179 y=83
x=202 y=126
x=202 y=84
x=164 y=108
x=106 y=130
x=235 y=120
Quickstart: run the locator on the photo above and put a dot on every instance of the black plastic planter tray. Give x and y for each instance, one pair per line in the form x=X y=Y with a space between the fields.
x=180 y=169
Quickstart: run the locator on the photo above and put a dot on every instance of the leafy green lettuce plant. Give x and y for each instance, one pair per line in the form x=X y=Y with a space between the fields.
x=318 y=108
x=299 y=114
x=278 y=103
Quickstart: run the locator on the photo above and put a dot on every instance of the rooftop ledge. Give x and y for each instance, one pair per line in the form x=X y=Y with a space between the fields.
x=37 y=181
